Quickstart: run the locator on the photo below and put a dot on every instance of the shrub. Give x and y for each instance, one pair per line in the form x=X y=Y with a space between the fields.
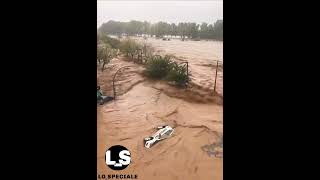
x=158 y=66
x=164 y=68
x=129 y=46
x=105 y=53
x=178 y=74
x=101 y=50
x=103 y=38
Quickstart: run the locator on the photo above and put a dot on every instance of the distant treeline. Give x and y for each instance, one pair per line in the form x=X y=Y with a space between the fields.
x=160 y=29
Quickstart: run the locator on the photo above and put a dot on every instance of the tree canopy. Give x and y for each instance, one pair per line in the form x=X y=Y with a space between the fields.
x=160 y=29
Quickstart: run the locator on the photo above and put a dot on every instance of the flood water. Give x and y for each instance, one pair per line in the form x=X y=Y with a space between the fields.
x=143 y=104
x=202 y=57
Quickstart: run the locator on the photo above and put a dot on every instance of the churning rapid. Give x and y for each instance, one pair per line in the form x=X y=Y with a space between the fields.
x=142 y=104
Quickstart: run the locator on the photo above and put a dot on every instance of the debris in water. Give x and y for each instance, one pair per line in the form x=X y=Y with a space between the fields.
x=164 y=132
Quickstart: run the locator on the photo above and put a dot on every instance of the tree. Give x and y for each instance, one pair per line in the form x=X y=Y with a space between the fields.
x=146 y=27
x=218 y=30
x=105 y=53
x=174 y=30
x=182 y=30
x=193 y=30
x=210 y=32
x=111 y=27
x=166 y=28
x=204 y=30
x=159 y=29
x=152 y=30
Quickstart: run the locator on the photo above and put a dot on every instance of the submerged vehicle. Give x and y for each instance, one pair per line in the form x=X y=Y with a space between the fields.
x=163 y=132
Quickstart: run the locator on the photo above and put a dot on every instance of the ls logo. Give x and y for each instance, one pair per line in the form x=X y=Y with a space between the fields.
x=117 y=157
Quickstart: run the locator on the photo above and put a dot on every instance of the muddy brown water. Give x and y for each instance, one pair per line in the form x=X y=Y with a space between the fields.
x=201 y=55
x=141 y=106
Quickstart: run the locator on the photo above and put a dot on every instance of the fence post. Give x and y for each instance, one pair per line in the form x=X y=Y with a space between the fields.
x=186 y=62
x=215 y=80
x=188 y=71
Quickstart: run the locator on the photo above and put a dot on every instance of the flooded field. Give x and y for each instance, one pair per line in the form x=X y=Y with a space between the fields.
x=201 y=55
x=148 y=91
x=141 y=106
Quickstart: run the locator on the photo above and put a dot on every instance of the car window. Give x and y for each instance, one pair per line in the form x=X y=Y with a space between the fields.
x=168 y=132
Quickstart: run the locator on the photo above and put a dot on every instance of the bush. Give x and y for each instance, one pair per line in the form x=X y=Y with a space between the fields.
x=129 y=46
x=105 y=53
x=178 y=74
x=103 y=38
x=164 y=68
x=158 y=67
x=101 y=50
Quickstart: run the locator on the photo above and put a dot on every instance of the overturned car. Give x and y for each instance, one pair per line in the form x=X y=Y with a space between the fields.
x=163 y=132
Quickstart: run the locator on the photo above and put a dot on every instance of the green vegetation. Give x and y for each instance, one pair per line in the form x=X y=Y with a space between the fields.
x=159 y=67
x=106 y=49
x=103 y=38
x=160 y=29
x=129 y=47
x=178 y=74
x=212 y=31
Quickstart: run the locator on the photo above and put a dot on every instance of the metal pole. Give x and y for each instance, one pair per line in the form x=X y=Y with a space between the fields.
x=186 y=62
x=215 y=80
x=188 y=71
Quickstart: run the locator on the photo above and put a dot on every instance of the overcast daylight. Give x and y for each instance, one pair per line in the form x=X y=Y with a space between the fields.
x=160 y=89
x=154 y=11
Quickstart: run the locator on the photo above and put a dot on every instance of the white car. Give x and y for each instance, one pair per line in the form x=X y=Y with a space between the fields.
x=163 y=133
